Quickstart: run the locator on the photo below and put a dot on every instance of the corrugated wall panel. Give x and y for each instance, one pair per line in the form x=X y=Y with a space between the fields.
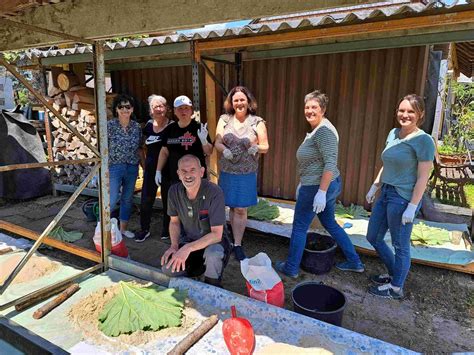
x=363 y=89
x=168 y=82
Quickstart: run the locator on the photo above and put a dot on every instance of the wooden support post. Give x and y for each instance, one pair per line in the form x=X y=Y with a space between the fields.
x=211 y=117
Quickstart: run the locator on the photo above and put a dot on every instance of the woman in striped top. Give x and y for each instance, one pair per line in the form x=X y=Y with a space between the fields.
x=320 y=184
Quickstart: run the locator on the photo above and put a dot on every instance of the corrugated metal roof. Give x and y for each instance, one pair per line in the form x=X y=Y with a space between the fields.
x=362 y=15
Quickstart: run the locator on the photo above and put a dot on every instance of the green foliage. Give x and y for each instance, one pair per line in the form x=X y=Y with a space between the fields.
x=263 y=211
x=463 y=128
x=141 y=308
x=423 y=234
x=352 y=211
x=11 y=56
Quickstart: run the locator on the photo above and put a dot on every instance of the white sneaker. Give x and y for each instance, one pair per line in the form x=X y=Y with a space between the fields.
x=128 y=234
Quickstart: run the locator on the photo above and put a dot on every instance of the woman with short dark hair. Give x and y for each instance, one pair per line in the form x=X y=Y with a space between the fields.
x=241 y=137
x=124 y=138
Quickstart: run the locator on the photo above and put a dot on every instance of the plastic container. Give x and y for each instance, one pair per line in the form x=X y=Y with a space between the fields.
x=319 y=301
x=318 y=255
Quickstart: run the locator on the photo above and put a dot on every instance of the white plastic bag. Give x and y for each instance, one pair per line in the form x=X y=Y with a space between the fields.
x=115 y=231
x=259 y=273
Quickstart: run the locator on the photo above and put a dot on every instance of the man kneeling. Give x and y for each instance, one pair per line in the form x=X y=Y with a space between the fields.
x=199 y=242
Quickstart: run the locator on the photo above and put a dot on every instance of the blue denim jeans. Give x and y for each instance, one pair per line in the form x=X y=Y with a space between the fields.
x=122 y=177
x=387 y=215
x=304 y=216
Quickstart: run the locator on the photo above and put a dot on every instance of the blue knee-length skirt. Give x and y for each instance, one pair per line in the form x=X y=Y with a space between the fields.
x=240 y=190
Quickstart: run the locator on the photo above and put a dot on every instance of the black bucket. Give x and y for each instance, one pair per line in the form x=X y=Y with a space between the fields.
x=88 y=209
x=318 y=255
x=319 y=301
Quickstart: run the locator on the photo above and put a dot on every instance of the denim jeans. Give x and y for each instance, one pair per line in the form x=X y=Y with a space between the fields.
x=387 y=215
x=122 y=177
x=304 y=216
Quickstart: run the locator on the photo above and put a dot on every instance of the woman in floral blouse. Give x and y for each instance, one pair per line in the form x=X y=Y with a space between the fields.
x=124 y=137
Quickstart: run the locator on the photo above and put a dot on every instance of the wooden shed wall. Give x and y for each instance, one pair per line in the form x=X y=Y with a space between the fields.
x=363 y=89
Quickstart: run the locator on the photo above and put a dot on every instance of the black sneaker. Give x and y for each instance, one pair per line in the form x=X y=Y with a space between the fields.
x=381 y=279
x=239 y=253
x=142 y=236
x=386 y=291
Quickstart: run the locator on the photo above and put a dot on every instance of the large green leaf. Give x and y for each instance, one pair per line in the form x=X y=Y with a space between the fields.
x=141 y=308
x=423 y=234
x=263 y=211
x=352 y=211
x=60 y=234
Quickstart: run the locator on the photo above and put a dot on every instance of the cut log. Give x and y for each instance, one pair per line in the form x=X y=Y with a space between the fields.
x=82 y=106
x=66 y=80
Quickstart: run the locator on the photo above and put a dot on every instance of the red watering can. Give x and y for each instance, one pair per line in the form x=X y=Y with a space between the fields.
x=238 y=335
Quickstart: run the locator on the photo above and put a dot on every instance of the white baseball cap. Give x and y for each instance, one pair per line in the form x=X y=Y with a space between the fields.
x=182 y=101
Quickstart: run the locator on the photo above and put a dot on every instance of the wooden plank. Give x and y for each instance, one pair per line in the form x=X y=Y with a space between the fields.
x=211 y=115
x=70 y=248
x=47 y=164
x=342 y=31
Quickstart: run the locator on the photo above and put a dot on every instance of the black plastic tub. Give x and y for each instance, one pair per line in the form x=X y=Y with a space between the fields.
x=319 y=301
x=319 y=252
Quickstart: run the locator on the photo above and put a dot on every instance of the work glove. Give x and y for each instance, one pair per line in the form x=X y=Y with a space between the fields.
x=370 y=197
x=202 y=134
x=158 y=177
x=253 y=150
x=319 y=202
x=298 y=190
x=228 y=154
x=409 y=215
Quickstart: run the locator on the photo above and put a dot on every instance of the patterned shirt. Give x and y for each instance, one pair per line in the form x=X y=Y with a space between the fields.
x=318 y=153
x=123 y=143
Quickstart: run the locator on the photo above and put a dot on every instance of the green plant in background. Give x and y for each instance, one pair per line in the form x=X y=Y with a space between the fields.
x=423 y=234
x=462 y=129
x=352 y=211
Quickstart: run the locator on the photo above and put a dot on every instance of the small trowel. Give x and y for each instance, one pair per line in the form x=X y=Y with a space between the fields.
x=238 y=334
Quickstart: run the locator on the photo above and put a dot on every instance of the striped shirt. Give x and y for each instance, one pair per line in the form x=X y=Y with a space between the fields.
x=318 y=153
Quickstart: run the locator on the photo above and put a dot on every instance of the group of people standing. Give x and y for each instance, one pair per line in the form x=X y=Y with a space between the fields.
x=194 y=212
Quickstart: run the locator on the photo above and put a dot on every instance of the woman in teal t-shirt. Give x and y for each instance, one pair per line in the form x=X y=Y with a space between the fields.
x=407 y=161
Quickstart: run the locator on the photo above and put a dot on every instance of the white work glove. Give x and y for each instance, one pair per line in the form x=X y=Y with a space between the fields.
x=409 y=215
x=298 y=190
x=253 y=150
x=319 y=202
x=202 y=134
x=228 y=154
x=158 y=177
x=370 y=197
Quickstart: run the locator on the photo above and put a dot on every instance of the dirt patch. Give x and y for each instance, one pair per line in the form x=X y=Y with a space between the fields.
x=35 y=268
x=85 y=317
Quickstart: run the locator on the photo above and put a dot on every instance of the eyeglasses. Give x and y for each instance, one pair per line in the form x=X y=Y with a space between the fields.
x=121 y=107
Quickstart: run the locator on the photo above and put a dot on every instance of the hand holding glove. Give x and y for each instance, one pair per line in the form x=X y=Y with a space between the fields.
x=202 y=134
x=228 y=154
x=319 y=202
x=253 y=150
x=370 y=197
x=158 y=177
x=409 y=214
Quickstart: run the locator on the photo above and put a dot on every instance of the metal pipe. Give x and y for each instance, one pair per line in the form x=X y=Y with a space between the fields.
x=48 y=229
x=50 y=287
x=48 y=163
x=104 y=182
x=45 y=102
x=45 y=31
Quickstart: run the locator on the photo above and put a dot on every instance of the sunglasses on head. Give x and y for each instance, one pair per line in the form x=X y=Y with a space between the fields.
x=128 y=107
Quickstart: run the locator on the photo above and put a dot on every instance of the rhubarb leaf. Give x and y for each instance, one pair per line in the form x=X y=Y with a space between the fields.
x=141 y=308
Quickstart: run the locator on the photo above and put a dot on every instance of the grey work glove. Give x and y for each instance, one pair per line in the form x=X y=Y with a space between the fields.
x=253 y=150
x=158 y=177
x=228 y=154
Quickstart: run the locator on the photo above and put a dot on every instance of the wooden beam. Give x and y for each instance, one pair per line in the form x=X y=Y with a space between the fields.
x=433 y=21
x=46 y=164
x=211 y=115
x=68 y=247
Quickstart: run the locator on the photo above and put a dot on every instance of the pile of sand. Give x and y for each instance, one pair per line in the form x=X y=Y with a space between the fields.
x=85 y=317
x=36 y=267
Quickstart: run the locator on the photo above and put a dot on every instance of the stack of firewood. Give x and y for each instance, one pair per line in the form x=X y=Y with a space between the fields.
x=76 y=104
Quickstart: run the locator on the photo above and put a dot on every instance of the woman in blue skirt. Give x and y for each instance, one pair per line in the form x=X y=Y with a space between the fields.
x=241 y=137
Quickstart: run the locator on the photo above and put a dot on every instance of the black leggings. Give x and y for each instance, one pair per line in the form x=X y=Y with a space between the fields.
x=149 y=189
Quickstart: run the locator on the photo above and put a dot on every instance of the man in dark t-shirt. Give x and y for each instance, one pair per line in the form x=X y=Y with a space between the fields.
x=199 y=242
